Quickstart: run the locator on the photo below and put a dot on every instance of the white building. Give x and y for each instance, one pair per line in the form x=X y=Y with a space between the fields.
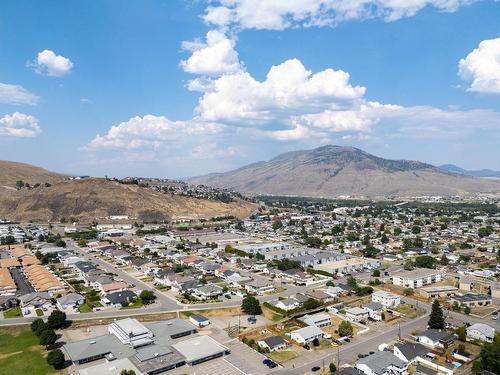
x=131 y=332
x=356 y=314
x=482 y=332
x=386 y=299
x=417 y=278
x=318 y=320
x=307 y=334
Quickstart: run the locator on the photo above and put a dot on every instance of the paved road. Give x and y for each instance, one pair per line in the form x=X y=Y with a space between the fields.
x=366 y=343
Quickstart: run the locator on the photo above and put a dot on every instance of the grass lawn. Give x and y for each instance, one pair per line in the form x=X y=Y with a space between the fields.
x=270 y=314
x=15 y=312
x=21 y=354
x=137 y=303
x=323 y=344
x=410 y=311
x=39 y=312
x=85 y=308
x=282 y=356
x=146 y=279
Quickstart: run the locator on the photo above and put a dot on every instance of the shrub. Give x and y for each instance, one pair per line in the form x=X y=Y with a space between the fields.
x=55 y=358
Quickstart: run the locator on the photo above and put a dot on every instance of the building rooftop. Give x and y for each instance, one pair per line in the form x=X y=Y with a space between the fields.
x=199 y=347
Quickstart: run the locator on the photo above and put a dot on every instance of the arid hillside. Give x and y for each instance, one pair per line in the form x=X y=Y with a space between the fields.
x=95 y=198
x=11 y=172
x=332 y=171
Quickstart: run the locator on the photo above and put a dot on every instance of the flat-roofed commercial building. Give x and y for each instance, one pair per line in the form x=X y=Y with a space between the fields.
x=200 y=349
x=348 y=265
x=472 y=300
x=131 y=332
x=438 y=291
x=417 y=278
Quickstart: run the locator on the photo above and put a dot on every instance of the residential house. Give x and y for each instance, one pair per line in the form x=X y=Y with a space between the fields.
x=259 y=287
x=357 y=314
x=481 y=331
x=318 y=320
x=272 y=343
x=207 y=291
x=374 y=310
x=382 y=363
x=71 y=300
x=434 y=338
x=307 y=334
x=116 y=299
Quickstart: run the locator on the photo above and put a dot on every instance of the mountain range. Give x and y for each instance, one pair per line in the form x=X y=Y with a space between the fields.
x=475 y=173
x=333 y=171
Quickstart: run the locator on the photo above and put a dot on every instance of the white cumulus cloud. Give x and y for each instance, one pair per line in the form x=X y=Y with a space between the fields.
x=15 y=94
x=48 y=63
x=19 y=125
x=214 y=57
x=150 y=131
x=288 y=90
x=481 y=67
x=281 y=14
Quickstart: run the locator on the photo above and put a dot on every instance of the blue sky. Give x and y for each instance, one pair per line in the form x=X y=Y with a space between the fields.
x=177 y=88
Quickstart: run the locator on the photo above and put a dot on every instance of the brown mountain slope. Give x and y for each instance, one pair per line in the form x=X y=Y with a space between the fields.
x=332 y=171
x=11 y=171
x=91 y=199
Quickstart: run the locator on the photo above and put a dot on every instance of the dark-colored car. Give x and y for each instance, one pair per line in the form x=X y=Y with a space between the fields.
x=315 y=368
x=266 y=361
x=361 y=355
x=272 y=365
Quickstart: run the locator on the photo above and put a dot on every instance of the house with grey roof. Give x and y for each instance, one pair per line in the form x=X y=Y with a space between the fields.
x=434 y=338
x=481 y=331
x=382 y=363
x=71 y=300
x=207 y=291
x=409 y=351
x=307 y=334
x=272 y=343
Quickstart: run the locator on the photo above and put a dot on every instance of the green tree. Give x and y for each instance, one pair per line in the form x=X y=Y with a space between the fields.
x=147 y=297
x=444 y=260
x=57 y=319
x=332 y=367
x=36 y=324
x=316 y=342
x=409 y=265
x=55 y=358
x=311 y=304
x=352 y=282
x=42 y=327
x=462 y=333
x=251 y=305
x=376 y=273
x=345 y=329
x=19 y=184
x=408 y=291
x=425 y=261
x=277 y=224
x=82 y=242
x=436 y=318
x=490 y=356
x=48 y=337
x=127 y=372
x=466 y=310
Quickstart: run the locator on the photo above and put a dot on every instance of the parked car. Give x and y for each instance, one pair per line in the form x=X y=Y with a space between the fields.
x=315 y=368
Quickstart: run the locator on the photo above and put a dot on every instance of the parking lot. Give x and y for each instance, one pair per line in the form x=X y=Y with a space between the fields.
x=246 y=359
x=23 y=286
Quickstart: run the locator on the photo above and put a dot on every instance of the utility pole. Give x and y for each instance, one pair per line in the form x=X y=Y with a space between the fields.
x=399 y=330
